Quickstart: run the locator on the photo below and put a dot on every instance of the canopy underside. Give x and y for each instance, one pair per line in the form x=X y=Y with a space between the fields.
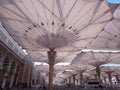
x=67 y=26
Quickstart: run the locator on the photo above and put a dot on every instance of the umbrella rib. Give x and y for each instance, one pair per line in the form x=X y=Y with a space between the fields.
x=78 y=13
x=17 y=13
x=36 y=11
x=43 y=29
x=71 y=9
x=48 y=9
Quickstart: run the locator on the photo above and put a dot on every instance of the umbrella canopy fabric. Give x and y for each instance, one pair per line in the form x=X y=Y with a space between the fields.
x=67 y=26
x=109 y=38
x=109 y=69
x=96 y=59
x=39 y=25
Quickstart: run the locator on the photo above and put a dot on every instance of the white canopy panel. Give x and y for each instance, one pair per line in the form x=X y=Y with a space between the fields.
x=67 y=26
x=96 y=59
x=109 y=38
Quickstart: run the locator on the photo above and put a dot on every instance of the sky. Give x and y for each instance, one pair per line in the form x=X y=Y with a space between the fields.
x=114 y=1
x=111 y=65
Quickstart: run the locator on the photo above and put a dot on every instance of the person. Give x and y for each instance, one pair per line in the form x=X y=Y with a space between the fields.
x=44 y=88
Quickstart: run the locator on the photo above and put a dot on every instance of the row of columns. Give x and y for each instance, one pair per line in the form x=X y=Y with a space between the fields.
x=14 y=71
x=109 y=73
x=81 y=81
x=72 y=80
x=37 y=79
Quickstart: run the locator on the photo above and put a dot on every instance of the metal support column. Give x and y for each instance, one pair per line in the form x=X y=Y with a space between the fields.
x=51 y=57
x=98 y=74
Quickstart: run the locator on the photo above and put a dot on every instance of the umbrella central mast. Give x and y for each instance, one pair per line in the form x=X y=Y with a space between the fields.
x=51 y=58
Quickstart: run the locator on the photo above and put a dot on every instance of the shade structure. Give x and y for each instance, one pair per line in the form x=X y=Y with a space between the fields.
x=58 y=70
x=96 y=58
x=43 y=68
x=109 y=38
x=67 y=26
x=117 y=72
x=109 y=69
x=38 y=25
x=80 y=67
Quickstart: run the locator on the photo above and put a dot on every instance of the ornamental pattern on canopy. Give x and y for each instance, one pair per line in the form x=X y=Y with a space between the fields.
x=109 y=39
x=67 y=26
x=41 y=24
x=96 y=59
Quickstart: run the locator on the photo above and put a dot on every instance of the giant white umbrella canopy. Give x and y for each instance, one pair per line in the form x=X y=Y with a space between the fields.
x=92 y=74
x=109 y=38
x=61 y=25
x=96 y=58
x=110 y=70
x=117 y=72
x=80 y=67
x=58 y=70
x=39 y=25
x=43 y=68
x=61 y=57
